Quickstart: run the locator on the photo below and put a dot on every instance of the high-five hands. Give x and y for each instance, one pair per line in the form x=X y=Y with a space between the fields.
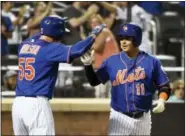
x=87 y=58
x=97 y=30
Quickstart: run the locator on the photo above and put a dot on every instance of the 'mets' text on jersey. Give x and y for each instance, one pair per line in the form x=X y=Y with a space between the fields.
x=38 y=66
x=134 y=81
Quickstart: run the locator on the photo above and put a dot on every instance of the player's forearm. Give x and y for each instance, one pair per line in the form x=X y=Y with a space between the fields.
x=165 y=92
x=99 y=43
x=81 y=47
x=91 y=76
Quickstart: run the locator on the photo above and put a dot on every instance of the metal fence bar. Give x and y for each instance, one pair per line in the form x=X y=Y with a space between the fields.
x=80 y=68
x=154 y=38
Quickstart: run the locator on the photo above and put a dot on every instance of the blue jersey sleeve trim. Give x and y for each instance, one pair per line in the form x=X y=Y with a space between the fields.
x=163 y=83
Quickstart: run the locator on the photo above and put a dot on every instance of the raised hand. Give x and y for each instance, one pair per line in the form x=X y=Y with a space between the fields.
x=98 y=29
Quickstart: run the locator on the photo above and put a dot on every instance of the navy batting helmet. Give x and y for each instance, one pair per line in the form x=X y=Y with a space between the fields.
x=53 y=26
x=131 y=30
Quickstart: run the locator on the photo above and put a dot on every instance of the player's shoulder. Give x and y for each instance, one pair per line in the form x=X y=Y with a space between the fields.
x=56 y=45
x=33 y=38
x=151 y=57
x=113 y=57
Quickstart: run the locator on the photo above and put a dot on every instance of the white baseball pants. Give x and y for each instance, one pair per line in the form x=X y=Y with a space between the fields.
x=120 y=124
x=32 y=116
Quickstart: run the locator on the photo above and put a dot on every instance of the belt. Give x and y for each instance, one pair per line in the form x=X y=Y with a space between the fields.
x=135 y=115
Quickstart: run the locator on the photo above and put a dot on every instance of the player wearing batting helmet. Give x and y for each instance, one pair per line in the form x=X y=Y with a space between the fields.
x=135 y=76
x=39 y=58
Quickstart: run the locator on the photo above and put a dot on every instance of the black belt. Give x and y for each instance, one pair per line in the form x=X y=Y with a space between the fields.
x=136 y=115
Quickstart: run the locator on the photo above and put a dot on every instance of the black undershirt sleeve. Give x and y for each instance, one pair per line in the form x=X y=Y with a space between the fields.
x=165 y=88
x=91 y=76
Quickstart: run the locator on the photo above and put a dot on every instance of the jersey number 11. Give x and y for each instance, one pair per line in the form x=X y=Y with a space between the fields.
x=140 y=89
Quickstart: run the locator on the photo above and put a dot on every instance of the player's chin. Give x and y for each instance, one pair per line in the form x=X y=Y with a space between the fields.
x=124 y=49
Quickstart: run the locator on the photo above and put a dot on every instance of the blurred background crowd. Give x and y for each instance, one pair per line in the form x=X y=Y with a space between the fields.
x=162 y=23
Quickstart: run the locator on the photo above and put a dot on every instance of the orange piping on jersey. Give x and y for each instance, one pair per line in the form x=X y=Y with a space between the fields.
x=163 y=83
x=137 y=75
x=140 y=59
x=133 y=96
x=163 y=95
x=125 y=85
x=68 y=55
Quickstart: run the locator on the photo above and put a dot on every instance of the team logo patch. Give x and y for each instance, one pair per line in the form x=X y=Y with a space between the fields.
x=125 y=28
x=47 y=22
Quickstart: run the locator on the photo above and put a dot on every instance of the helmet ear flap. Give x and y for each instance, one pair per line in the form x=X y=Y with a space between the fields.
x=134 y=42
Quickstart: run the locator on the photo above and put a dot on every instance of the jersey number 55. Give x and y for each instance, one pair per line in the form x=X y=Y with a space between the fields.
x=27 y=71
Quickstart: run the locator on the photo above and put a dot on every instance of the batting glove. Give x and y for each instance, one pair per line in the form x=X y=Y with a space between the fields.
x=87 y=58
x=98 y=29
x=160 y=106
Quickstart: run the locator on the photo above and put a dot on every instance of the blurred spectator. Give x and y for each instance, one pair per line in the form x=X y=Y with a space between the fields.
x=6 y=11
x=75 y=89
x=17 y=21
x=113 y=21
x=9 y=81
x=178 y=91
x=129 y=12
x=104 y=47
x=77 y=15
x=41 y=10
x=6 y=32
x=152 y=7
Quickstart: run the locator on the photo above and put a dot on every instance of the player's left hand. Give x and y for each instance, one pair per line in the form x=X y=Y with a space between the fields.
x=87 y=58
x=160 y=106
